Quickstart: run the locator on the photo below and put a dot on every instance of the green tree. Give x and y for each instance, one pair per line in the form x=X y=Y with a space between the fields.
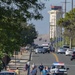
x=28 y=34
x=12 y=14
x=69 y=25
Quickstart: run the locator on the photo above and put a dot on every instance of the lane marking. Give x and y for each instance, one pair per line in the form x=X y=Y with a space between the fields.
x=57 y=60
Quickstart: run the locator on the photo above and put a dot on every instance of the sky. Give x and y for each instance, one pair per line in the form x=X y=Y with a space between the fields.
x=42 y=26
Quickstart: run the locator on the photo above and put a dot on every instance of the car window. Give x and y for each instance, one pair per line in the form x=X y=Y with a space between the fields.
x=53 y=66
x=73 y=52
x=7 y=74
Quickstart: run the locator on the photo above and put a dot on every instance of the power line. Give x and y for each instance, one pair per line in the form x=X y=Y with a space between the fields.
x=65 y=5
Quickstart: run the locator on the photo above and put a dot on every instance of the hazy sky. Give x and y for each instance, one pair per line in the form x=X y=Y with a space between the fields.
x=42 y=26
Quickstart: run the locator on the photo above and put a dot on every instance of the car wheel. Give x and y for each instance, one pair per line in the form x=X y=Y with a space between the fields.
x=71 y=59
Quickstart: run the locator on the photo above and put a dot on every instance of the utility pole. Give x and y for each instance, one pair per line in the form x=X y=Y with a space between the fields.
x=65 y=2
x=72 y=4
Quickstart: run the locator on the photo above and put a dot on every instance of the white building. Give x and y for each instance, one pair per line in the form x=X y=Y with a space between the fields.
x=55 y=15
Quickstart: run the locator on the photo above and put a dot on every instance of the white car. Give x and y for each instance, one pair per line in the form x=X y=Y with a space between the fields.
x=68 y=52
x=7 y=73
x=58 y=68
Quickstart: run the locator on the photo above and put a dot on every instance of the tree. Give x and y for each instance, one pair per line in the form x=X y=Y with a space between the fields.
x=24 y=9
x=28 y=34
x=12 y=14
x=69 y=24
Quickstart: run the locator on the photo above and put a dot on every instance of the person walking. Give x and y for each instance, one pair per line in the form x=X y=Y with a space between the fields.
x=27 y=65
x=44 y=71
x=48 y=70
x=17 y=71
x=33 y=65
x=33 y=71
x=41 y=68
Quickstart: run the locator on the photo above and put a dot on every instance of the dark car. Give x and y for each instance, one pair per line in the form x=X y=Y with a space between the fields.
x=47 y=49
x=73 y=56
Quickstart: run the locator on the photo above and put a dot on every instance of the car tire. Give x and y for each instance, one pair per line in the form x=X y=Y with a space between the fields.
x=71 y=59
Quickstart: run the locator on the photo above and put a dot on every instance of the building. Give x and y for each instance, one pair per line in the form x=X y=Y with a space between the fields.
x=55 y=14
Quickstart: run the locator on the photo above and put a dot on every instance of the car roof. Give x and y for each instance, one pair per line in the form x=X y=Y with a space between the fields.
x=6 y=72
x=58 y=63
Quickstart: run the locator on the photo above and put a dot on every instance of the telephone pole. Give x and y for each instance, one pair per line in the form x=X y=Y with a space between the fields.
x=65 y=2
x=65 y=8
x=72 y=4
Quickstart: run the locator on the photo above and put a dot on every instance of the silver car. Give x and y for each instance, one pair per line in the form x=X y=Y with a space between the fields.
x=39 y=49
x=61 y=50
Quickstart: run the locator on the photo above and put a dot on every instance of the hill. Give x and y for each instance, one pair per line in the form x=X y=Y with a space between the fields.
x=42 y=39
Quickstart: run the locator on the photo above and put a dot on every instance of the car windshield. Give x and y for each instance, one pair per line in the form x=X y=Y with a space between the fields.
x=65 y=46
x=73 y=52
x=7 y=74
x=58 y=66
x=39 y=47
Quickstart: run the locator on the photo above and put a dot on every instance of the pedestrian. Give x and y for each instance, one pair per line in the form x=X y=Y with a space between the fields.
x=8 y=69
x=44 y=71
x=33 y=65
x=33 y=71
x=48 y=70
x=17 y=71
x=26 y=66
x=41 y=68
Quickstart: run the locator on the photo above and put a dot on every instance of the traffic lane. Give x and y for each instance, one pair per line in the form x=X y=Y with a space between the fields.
x=46 y=59
x=66 y=59
x=70 y=64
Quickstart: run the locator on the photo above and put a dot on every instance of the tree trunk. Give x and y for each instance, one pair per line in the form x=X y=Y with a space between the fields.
x=70 y=42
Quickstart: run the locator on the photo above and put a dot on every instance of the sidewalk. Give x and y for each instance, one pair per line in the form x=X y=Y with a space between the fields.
x=19 y=61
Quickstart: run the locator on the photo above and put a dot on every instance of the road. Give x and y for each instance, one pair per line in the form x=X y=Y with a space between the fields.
x=48 y=59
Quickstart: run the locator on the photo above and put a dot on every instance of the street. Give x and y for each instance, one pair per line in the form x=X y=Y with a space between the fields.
x=48 y=59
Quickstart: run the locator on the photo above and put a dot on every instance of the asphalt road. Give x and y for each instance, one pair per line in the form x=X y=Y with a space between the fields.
x=48 y=59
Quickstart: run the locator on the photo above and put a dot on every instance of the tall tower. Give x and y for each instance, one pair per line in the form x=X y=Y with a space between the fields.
x=55 y=15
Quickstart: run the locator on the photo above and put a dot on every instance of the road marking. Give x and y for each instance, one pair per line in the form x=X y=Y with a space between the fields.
x=56 y=57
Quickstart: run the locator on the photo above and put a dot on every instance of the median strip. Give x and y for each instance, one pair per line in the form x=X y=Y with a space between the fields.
x=56 y=57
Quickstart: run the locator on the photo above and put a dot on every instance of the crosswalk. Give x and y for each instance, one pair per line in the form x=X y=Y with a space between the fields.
x=19 y=62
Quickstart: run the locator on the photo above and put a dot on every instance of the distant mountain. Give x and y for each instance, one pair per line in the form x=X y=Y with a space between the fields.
x=42 y=39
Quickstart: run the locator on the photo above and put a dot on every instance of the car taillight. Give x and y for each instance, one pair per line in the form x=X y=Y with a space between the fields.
x=73 y=54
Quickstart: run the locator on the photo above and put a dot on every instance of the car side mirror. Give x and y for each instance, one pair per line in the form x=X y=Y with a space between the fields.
x=67 y=68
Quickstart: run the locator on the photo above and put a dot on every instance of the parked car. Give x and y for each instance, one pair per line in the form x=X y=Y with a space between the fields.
x=73 y=55
x=58 y=68
x=68 y=52
x=61 y=50
x=39 y=49
x=7 y=73
x=66 y=46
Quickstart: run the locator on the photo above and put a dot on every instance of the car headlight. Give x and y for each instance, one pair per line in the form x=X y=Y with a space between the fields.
x=65 y=72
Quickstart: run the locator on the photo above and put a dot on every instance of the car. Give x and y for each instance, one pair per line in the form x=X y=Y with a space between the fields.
x=7 y=73
x=47 y=49
x=68 y=52
x=61 y=50
x=66 y=46
x=58 y=68
x=39 y=49
x=73 y=55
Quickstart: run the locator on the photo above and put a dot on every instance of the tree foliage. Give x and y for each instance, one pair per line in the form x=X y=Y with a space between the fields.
x=12 y=14
x=68 y=23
